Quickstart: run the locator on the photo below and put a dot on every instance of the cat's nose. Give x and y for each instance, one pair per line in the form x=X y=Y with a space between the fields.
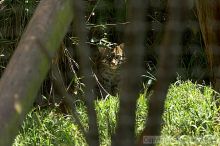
x=114 y=62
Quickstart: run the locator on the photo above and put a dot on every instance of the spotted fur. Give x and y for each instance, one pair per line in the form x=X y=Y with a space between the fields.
x=108 y=66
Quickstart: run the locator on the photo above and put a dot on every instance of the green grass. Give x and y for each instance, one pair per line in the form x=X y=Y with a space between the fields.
x=48 y=128
x=190 y=118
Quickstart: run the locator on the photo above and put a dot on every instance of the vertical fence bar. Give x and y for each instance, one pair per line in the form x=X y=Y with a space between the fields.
x=86 y=72
x=130 y=88
x=169 y=50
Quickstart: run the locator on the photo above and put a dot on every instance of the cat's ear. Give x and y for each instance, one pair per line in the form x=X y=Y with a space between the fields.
x=122 y=46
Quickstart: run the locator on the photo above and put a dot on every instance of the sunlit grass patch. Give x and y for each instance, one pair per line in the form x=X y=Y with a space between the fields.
x=190 y=118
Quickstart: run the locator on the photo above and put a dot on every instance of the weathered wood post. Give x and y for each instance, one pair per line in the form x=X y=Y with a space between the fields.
x=30 y=63
x=209 y=19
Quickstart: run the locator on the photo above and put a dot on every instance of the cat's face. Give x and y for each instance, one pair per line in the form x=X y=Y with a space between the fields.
x=114 y=56
x=118 y=53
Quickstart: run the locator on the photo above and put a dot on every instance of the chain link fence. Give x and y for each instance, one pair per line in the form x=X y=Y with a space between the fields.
x=113 y=48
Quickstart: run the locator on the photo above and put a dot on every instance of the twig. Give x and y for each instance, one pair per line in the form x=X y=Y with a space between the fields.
x=68 y=99
x=104 y=25
x=92 y=11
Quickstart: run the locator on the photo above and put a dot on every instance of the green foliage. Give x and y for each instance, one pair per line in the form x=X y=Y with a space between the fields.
x=141 y=113
x=14 y=15
x=190 y=109
x=190 y=118
x=107 y=110
x=191 y=115
x=48 y=128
